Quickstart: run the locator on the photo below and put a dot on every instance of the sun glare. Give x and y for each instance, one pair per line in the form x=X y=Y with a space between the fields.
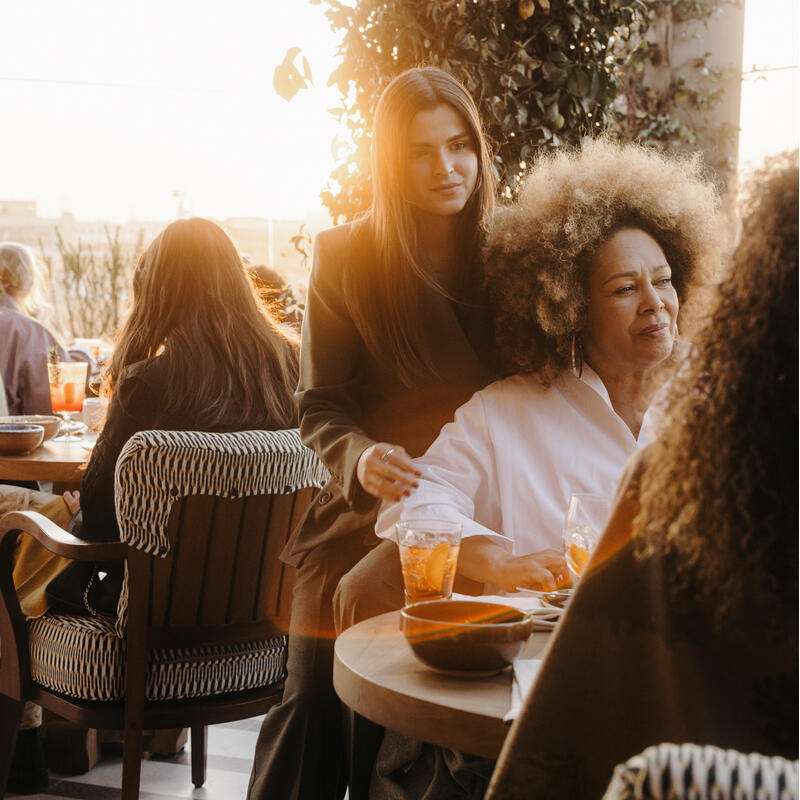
x=136 y=109
x=120 y=110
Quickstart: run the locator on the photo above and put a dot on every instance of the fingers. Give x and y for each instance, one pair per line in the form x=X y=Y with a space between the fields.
x=540 y=579
x=387 y=472
x=72 y=499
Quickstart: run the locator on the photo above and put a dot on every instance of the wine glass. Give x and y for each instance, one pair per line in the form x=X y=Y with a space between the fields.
x=67 y=388
x=587 y=515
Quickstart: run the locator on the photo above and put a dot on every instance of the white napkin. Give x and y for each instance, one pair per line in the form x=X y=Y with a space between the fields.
x=525 y=670
x=545 y=620
x=520 y=601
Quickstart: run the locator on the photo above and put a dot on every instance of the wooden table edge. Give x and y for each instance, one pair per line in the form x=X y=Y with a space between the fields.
x=393 y=708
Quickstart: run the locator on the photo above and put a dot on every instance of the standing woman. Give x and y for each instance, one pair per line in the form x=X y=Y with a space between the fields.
x=394 y=340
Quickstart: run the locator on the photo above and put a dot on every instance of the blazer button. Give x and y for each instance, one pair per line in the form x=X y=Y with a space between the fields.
x=325 y=497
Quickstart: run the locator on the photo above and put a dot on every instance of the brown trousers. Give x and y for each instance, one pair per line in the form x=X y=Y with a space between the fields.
x=300 y=753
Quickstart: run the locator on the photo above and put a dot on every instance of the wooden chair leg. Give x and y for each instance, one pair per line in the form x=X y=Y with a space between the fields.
x=132 y=759
x=199 y=748
x=10 y=715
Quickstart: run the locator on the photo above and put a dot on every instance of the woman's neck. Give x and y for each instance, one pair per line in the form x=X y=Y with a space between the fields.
x=630 y=393
x=437 y=238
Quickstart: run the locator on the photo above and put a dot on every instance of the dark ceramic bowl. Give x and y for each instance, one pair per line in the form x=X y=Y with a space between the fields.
x=465 y=636
x=15 y=439
x=49 y=423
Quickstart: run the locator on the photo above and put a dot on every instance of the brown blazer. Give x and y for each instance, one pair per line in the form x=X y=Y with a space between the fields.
x=348 y=401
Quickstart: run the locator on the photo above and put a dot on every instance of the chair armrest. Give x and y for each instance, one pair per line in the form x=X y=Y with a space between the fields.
x=57 y=540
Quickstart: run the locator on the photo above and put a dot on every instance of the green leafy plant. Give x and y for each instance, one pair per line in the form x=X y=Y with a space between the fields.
x=675 y=114
x=545 y=73
x=540 y=70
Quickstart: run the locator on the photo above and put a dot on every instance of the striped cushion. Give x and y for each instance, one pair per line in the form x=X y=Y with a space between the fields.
x=84 y=658
x=695 y=772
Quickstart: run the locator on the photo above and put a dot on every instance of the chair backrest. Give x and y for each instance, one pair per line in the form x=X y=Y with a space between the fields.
x=702 y=772
x=217 y=509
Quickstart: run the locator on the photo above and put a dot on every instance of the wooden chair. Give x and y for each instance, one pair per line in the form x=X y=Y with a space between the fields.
x=200 y=635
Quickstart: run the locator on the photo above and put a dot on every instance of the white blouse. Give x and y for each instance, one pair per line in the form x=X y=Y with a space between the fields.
x=506 y=466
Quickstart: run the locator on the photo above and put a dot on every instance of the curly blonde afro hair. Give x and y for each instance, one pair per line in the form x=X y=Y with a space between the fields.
x=537 y=258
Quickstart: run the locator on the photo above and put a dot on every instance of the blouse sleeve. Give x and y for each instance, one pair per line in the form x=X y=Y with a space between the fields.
x=129 y=411
x=459 y=480
x=331 y=361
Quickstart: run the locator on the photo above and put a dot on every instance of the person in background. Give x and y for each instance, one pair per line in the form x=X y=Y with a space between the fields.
x=26 y=342
x=278 y=295
x=198 y=351
x=685 y=628
x=395 y=337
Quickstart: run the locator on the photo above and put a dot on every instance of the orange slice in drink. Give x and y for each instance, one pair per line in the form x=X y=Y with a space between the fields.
x=578 y=556
x=435 y=566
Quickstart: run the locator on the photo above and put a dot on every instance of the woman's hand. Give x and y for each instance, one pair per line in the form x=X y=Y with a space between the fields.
x=543 y=571
x=386 y=471
x=485 y=561
x=73 y=501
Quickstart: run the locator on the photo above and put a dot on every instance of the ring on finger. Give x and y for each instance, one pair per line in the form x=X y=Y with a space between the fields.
x=385 y=456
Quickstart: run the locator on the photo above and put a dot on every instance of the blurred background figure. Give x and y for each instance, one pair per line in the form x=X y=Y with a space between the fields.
x=278 y=296
x=25 y=341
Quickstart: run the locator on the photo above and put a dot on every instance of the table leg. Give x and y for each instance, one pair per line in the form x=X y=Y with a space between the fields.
x=363 y=740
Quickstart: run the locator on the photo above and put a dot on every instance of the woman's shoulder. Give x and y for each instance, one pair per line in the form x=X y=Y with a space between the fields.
x=514 y=388
x=344 y=245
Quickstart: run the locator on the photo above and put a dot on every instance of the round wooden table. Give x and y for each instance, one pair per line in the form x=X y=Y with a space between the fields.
x=59 y=462
x=376 y=674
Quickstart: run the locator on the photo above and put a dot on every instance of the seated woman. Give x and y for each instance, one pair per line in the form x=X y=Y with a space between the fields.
x=587 y=273
x=197 y=352
x=685 y=628
x=23 y=357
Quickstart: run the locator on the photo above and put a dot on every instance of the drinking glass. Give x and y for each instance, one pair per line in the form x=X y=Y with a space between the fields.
x=67 y=388
x=428 y=556
x=92 y=346
x=587 y=515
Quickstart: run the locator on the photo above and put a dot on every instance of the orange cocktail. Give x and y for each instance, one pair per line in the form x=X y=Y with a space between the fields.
x=428 y=557
x=67 y=388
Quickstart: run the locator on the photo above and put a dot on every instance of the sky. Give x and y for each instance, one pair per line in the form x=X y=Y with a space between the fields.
x=116 y=105
x=128 y=109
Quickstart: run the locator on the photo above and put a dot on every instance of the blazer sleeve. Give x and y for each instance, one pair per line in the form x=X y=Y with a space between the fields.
x=332 y=360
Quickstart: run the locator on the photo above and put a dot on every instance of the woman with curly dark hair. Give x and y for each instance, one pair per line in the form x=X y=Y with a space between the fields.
x=588 y=272
x=685 y=628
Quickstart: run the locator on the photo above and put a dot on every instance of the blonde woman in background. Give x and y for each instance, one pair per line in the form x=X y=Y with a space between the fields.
x=23 y=356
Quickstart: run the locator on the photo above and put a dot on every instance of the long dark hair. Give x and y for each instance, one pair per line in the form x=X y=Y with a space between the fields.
x=226 y=356
x=384 y=294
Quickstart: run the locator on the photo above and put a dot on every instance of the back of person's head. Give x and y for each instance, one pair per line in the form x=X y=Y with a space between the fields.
x=21 y=274
x=267 y=279
x=720 y=487
x=194 y=301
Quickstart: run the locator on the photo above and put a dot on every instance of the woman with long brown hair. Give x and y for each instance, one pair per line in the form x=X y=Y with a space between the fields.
x=197 y=352
x=685 y=627
x=394 y=340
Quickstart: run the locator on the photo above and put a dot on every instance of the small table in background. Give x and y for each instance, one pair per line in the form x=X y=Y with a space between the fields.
x=60 y=462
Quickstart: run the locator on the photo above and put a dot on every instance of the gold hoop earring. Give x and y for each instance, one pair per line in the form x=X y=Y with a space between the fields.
x=576 y=354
